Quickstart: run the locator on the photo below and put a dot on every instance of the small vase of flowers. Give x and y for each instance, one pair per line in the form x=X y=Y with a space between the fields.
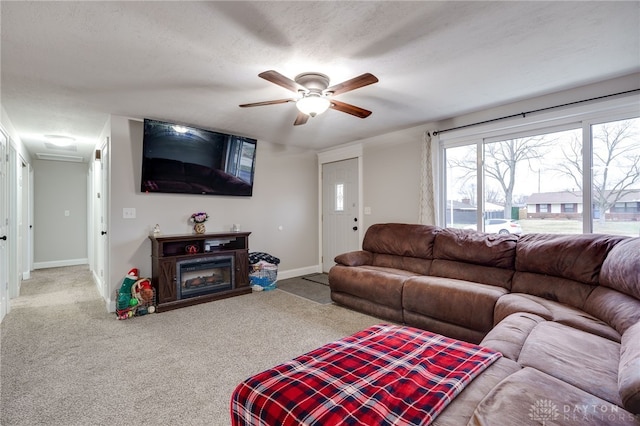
x=198 y=219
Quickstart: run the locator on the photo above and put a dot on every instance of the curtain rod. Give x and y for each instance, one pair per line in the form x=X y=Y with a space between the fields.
x=524 y=114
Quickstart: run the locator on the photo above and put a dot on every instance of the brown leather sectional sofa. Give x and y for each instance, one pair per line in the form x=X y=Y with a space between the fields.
x=564 y=310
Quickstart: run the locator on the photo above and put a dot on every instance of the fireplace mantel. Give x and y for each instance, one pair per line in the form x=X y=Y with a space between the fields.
x=168 y=252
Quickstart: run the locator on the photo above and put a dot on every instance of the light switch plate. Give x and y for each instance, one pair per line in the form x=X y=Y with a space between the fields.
x=128 y=213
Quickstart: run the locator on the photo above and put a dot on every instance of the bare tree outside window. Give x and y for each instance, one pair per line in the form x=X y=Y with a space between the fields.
x=502 y=161
x=616 y=168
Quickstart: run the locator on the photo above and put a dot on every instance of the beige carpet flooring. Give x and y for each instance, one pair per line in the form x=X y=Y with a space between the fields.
x=66 y=361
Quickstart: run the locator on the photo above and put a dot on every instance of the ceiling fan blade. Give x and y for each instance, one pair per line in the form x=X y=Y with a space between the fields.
x=349 y=109
x=278 y=101
x=355 y=83
x=276 y=78
x=301 y=119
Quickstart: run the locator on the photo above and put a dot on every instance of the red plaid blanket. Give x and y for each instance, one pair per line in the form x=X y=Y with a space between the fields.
x=384 y=375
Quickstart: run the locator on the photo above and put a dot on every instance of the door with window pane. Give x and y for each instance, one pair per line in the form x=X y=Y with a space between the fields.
x=340 y=221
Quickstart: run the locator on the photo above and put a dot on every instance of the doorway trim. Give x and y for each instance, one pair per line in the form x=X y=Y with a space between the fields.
x=330 y=156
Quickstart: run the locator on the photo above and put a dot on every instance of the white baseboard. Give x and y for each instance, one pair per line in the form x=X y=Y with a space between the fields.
x=111 y=305
x=60 y=263
x=26 y=275
x=283 y=275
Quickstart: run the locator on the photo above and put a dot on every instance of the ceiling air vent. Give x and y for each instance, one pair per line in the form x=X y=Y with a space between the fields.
x=58 y=157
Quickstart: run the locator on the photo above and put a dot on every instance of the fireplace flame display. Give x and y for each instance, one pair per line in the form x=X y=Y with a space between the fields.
x=197 y=277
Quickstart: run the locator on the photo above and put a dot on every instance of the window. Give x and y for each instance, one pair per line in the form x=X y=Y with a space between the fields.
x=339 y=201
x=616 y=176
x=461 y=206
x=536 y=175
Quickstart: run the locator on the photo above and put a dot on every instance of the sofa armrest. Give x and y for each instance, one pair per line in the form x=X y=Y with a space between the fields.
x=355 y=258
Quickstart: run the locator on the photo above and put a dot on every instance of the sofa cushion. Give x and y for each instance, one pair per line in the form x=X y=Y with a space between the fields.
x=459 y=412
x=463 y=303
x=370 y=283
x=621 y=268
x=400 y=239
x=553 y=311
x=617 y=309
x=368 y=307
x=474 y=247
x=411 y=264
x=576 y=257
x=581 y=359
x=530 y=396
x=558 y=289
x=629 y=369
x=442 y=327
x=509 y=335
x=468 y=272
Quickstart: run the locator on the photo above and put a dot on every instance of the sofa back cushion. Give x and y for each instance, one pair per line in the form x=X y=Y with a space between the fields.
x=559 y=267
x=617 y=309
x=478 y=248
x=621 y=269
x=401 y=239
x=470 y=272
x=474 y=256
x=413 y=264
x=563 y=290
x=575 y=257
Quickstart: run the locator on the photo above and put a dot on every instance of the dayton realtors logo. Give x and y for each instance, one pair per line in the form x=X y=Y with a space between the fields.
x=543 y=411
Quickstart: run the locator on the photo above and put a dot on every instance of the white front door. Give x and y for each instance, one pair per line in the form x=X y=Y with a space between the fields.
x=340 y=210
x=4 y=231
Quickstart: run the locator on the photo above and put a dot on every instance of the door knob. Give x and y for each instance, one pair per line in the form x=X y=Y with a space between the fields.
x=355 y=228
x=103 y=233
x=4 y=237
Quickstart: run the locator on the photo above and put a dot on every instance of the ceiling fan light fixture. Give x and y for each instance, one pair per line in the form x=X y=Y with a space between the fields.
x=313 y=104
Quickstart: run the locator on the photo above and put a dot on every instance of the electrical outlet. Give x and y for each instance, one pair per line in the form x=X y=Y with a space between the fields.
x=129 y=213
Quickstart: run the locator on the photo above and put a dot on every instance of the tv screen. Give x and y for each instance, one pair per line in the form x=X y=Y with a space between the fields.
x=187 y=160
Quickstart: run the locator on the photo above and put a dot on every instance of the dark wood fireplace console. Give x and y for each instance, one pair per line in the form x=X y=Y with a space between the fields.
x=168 y=252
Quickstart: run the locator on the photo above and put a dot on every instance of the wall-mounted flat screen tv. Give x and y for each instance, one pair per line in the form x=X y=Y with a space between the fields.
x=186 y=160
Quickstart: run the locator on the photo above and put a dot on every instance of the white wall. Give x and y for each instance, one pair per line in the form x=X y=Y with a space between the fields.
x=60 y=240
x=391 y=175
x=284 y=194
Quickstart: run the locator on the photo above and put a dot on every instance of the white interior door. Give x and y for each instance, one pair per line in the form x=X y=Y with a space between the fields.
x=102 y=246
x=4 y=221
x=340 y=210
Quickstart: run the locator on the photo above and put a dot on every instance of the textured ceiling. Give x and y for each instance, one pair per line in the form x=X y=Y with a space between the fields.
x=67 y=65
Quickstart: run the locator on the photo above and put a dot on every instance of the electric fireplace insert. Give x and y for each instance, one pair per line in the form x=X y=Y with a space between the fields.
x=205 y=275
